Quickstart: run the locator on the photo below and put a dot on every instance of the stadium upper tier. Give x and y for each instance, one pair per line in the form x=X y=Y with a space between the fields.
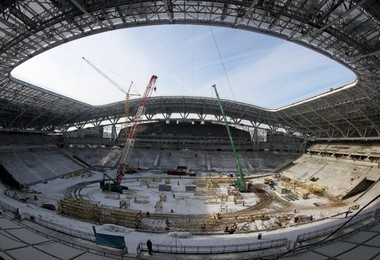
x=346 y=31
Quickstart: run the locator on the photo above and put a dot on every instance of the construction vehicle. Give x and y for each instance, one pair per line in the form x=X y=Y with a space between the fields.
x=110 y=184
x=240 y=182
x=176 y=172
x=131 y=138
x=269 y=181
x=130 y=135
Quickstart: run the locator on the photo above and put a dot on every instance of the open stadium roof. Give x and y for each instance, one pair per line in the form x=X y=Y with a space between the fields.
x=346 y=31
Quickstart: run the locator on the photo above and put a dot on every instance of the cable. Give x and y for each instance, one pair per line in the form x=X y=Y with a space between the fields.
x=378 y=196
x=320 y=242
x=221 y=59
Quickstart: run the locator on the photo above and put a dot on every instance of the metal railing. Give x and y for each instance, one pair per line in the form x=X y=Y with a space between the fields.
x=68 y=241
x=178 y=248
x=328 y=230
x=218 y=249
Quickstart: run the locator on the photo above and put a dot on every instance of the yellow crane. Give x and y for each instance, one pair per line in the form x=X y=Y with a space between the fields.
x=127 y=93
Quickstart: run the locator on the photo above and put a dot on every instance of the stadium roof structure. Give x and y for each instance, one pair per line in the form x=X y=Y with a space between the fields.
x=346 y=31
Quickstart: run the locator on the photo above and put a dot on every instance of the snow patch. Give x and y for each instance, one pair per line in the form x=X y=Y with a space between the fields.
x=180 y=234
x=110 y=228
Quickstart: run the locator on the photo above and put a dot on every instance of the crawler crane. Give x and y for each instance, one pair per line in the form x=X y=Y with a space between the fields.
x=240 y=182
x=132 y=134
x=130 y=142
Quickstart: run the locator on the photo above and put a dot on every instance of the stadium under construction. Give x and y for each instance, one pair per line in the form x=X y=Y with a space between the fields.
x=203 y=178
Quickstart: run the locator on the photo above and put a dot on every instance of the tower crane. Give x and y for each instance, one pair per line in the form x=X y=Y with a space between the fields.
x=106 y=76
x=127 y=93
x=240 y=182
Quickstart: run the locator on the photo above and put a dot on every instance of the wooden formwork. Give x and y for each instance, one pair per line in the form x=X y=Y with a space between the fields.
x=198 y=223
x=213 y=182
x=94 y=212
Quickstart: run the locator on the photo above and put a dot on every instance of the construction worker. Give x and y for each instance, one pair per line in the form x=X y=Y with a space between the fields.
x=149 y=245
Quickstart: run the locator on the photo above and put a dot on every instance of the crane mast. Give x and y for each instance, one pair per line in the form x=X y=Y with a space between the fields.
x=240 y=181
x=127 y=93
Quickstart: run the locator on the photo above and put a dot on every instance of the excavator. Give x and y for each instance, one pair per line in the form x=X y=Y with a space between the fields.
x=240 y=183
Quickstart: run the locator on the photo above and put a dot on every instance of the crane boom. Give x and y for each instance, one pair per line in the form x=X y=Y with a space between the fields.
x=126 y=154
x=131 y=135
x=127 y=93
x=240 y=182
x=105 y=76
x=130 y=142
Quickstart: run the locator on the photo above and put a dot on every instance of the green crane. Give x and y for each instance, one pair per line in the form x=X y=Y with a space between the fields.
x=240 y=181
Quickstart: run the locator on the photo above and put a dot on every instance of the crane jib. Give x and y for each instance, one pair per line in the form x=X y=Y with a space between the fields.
x=240 y=182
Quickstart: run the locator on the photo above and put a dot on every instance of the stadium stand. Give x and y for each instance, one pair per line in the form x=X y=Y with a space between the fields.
x=29 y=167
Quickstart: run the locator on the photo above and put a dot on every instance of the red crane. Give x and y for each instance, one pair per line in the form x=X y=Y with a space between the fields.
x=130 y=142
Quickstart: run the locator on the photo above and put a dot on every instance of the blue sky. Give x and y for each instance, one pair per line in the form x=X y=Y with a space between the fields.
x=258 y=69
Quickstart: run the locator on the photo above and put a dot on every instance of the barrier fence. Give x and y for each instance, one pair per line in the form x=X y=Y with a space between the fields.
x=65 y=229
x=69 y=242
x=178 y=248
x=218 y=249
x=328 y=230
x=277 y=243
x=50 y=224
